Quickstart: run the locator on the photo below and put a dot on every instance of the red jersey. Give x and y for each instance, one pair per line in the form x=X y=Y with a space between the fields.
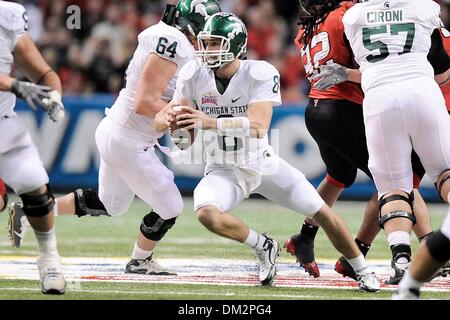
x=446 y=88
x=328 y=44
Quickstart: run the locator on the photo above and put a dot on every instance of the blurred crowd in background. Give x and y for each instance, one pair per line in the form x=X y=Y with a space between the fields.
x=93 y=58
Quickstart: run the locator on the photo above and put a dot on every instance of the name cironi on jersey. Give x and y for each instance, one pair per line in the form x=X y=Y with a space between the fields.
x=255 y=81
x=389 y=37
x=13 y=24
x=166 y=42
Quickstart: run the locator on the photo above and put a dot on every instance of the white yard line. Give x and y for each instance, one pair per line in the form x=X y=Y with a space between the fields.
x=221 y=272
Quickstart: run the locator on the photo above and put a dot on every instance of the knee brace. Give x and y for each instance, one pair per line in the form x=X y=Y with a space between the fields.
x=87 y=202
x=38 y=206
x=439 y=246
x=153 y=227
x=445 y=176
x=396 y=214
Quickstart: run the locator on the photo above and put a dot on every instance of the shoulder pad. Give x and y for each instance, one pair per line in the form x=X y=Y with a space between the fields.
x=351 y=15
x=427 y=10
x=262 y=70
x=13 y=16
x=151 y=36
x=189 y=71
x=346 y=5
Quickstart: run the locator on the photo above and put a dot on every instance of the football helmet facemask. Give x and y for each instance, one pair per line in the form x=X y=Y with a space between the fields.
x=226 y=32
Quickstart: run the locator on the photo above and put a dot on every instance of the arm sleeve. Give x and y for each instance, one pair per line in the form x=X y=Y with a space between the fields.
x=437 y=56
x=22 y=26
x=166 y=47
x=184 y=84
x=266 y=85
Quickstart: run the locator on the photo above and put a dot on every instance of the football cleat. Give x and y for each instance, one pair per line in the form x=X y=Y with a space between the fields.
x=443 y=271
x=147 y=266
x=267 y=257
x=343 y=267
x=18 y=224
x=397 y=272
x=301 y=251
x=406 y=294
x=368 y=282
x=52 y=279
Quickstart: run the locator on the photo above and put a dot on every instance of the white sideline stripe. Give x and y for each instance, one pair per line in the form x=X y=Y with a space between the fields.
x=195 y=293
x=222 y=272
x=70 y=260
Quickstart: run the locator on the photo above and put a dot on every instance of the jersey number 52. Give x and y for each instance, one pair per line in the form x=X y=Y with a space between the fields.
x=313 y=57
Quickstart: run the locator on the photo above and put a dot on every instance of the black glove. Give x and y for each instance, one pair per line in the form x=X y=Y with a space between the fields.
x=34 y=94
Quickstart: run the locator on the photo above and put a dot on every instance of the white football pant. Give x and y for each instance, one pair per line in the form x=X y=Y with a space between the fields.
x=21 y=166
x=286 y=186
x=398 y=118
x=130 y=167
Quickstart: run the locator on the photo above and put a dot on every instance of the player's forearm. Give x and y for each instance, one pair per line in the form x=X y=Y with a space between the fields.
x=354 y=75
x=51 y=79
x=149 y=106
x=443 y=78
x=5 y=82
x=31 y=62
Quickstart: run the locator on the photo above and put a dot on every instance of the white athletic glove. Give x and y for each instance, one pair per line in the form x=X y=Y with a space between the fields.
x=329 y=75
x=54 y=106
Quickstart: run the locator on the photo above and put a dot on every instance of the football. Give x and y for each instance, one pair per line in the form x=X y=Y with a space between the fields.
x=181 y=137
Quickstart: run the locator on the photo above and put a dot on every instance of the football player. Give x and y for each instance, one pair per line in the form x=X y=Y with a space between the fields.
x=234 y=100
x=333 y=74
x=342 y=146
x=20 y=163
x=35 y=95
x=403 y=108
x=127 y=136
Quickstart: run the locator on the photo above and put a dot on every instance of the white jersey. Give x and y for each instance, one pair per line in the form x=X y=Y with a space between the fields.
x=391 y=39
x=13 y=24
x=168 y=43
x=255 y=81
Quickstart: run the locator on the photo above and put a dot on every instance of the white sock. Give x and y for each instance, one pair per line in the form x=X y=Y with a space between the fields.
x=359 y=265
x=55 y=209
x=399 y=237
x=254 y=240
x=140 y=254
x=47 y=242
x=408 y=282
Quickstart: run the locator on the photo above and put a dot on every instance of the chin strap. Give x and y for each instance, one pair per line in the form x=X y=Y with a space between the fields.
x=169 y=15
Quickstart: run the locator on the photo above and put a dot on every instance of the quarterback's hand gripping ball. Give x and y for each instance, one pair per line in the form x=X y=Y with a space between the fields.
x=181 y=137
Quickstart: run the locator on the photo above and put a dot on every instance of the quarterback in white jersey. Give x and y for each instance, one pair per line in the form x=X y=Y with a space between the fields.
x=403 y=109
x=126 y=137
x=234 y=100
x=20 y=164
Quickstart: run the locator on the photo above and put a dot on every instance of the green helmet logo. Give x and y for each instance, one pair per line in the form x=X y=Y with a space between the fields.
x=226 y=30
x=192 y=14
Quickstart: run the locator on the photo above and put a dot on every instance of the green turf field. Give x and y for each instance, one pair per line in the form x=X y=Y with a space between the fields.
x=114 y=237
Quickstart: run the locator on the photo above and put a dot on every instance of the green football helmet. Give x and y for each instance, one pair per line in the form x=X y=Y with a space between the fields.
x=228 y=30
x=192 y=14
